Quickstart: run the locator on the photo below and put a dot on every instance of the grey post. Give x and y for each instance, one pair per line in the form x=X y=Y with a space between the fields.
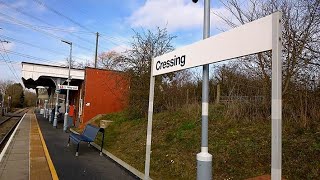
x=65 y=121
x=96 y=53
x=50 y=108
x=204 y=159
x=55 y=120
x=276 y=100
x=149 y=128
x=45 y=108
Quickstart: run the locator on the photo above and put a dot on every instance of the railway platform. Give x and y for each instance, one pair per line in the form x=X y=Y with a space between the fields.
x=36 y=150
x=88 y=165
x=25 y=156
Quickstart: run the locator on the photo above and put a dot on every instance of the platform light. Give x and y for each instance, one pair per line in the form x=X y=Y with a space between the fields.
x=65 y=125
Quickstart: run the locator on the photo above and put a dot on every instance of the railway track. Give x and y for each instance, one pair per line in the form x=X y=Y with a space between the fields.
x=8 y=125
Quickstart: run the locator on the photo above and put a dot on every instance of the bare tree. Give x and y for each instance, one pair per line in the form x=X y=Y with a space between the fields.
x=111 y=60
x=301 y=40
x=84 y=64
x=144 y=47
x=16 y=95
x=301 y=32
x=4 y=84
x=72 y=64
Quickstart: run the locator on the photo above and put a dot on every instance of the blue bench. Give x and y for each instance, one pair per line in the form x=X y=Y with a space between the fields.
x=88 y=135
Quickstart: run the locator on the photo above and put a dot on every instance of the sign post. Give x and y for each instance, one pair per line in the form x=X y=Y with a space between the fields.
x=149 y=127
x=204 y=158
x=258 y=36
x=276 y=98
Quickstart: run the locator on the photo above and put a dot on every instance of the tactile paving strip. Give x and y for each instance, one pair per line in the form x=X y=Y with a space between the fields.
x=39 y=168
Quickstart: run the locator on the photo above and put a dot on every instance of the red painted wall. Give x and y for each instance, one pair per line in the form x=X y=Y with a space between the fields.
x=106 y=91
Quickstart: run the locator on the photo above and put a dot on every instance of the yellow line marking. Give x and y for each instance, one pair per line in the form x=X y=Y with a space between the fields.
x=46 y=152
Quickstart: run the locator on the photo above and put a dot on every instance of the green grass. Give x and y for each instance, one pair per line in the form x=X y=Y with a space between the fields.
x=240 y=148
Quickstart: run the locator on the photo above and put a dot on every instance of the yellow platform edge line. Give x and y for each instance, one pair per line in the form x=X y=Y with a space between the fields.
x=46 y=152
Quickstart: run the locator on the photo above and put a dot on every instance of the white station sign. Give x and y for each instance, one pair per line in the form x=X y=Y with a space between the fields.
x=68 y=87
x=247 y=39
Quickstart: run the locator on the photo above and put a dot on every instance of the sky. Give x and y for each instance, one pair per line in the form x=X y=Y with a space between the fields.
x=32 y=30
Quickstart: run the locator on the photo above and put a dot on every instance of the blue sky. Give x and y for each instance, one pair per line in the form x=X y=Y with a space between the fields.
x=34 y=28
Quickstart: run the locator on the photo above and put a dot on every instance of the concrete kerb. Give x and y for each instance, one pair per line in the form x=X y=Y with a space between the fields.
x=117 y=160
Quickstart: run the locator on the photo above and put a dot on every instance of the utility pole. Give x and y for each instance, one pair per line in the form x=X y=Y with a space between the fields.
x=96 y=54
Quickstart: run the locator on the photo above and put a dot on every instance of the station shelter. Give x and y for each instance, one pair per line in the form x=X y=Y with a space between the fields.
x=99 y=91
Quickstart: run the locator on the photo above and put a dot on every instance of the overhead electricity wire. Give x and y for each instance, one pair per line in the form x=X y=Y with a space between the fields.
x=62 y=15
x=39 y=30
x=71 y=20
x=10 y=68
x=65 y=30
x=40 y=47
x=45 y=22
x=8 y=58
x=2 y=61
x=52 y=28
x=100 y=20
x=113 y=40
x=7 y=63
x=32 y=57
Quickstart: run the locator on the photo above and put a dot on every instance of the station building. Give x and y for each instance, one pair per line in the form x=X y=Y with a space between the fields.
x=99 y=91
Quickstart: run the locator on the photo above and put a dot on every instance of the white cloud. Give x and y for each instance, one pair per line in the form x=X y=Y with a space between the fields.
x=174 y=14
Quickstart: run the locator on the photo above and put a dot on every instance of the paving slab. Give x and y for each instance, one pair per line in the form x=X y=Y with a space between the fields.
x=15 y=163
x=25 y=156
x=88 y=165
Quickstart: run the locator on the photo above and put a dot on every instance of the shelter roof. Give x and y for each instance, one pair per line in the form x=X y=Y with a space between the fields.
x=34 y=74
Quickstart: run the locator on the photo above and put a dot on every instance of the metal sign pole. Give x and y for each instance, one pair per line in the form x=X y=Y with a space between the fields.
x=204 y=159
x=149 y=128
x=55 y=120
x=65 y=121
x=276 y=104
x=45 y=107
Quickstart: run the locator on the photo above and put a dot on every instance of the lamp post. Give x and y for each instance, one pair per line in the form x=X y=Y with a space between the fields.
x=65 y=121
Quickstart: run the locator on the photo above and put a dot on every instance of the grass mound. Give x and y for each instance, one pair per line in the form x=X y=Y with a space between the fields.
x=240 y=148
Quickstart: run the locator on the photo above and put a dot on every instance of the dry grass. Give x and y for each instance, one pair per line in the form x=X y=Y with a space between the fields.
x=241 y=148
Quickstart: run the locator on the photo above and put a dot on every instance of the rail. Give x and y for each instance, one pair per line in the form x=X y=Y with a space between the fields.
x=8 y=125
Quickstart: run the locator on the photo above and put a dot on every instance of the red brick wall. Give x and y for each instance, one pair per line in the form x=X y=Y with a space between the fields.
x=106 y=91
